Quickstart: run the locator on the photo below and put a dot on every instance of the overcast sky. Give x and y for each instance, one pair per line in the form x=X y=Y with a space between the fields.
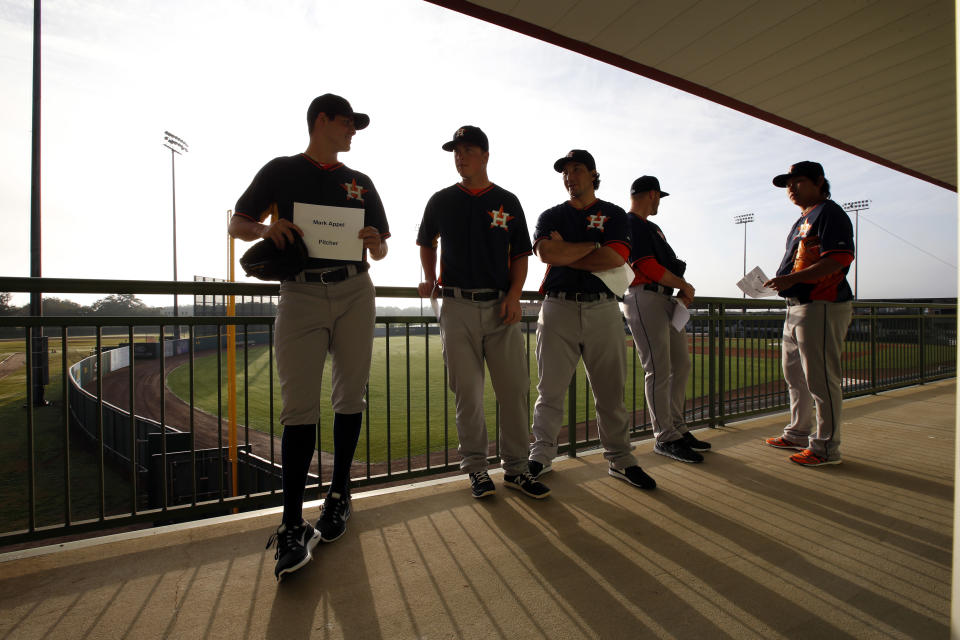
x=234 y=80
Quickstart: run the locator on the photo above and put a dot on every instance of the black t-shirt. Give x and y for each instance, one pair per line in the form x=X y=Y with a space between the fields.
x=480 y=235
x=601 y=222
x=648 y=241
x=289 y=179
x=825 y=229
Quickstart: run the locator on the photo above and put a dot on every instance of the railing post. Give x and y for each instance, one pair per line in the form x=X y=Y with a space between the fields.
x=572 y=417
x=31 y=439
x=711 y=368
x=721 y=358
x=923 y=349
x=873 y=348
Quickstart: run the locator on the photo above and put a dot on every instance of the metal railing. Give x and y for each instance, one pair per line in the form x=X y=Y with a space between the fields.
x=132 y=438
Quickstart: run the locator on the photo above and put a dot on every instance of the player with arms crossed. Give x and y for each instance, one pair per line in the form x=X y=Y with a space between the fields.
x=580 y=318
x=327 y=307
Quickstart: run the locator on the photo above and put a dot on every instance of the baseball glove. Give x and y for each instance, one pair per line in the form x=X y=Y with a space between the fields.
x=265 y=262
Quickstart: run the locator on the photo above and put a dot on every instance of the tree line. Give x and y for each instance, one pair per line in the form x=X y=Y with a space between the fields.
x=120 y=304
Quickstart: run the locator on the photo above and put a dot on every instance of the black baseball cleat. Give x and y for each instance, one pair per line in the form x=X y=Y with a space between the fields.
x=678 y=450
x=635 y=476
x=537 y=469
x=697 y=445
x=333 y=516
x=525 y=483
x=481 y=485
x=294 y=548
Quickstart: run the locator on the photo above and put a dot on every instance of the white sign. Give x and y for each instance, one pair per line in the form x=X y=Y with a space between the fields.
x=330 y=232
x=752 y=284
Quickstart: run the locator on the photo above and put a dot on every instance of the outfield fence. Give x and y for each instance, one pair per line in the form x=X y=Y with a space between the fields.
x=99 y=458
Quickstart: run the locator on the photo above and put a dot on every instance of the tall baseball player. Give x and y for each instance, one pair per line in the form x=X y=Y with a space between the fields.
x=483 y=265
x=812 y=280
x=580 y=318
x=328 y=307
x=649 y=307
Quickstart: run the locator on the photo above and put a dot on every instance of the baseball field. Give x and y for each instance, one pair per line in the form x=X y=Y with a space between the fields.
x=407 y=392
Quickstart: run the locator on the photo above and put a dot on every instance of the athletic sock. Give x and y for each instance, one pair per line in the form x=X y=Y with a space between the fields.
x=296 y=451
x=346 y=433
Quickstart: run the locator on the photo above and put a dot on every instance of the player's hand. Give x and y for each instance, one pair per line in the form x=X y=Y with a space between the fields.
x=687 y=291
x=281 y=232
x=510 y=311
x=555 y=235
x=684 y=300
x=371 y=239
x=781 y=283
x=427 y=289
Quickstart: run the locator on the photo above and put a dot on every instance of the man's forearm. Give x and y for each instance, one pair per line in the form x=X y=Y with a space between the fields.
x=518 y=275
x=561 y=253
x=818 y=270
x=598 y=260
x=428 y=262
x=669 y=279
x=245 y=229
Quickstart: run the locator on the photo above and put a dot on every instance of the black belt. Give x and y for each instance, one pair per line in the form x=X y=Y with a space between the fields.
x=658 y=288
x=793 y=302
x=580 y=297
x=473 y=296
x=335 y=275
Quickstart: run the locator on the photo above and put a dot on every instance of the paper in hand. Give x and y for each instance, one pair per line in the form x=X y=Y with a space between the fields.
x=680 y=315
x=752 y=284
x=617 y=279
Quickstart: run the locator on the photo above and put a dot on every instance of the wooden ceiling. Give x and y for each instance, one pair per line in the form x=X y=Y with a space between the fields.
x=876 y=78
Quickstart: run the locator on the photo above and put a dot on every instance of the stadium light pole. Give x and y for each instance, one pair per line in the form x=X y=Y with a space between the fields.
x=744 y=220
x=856 y=207
x=177 y=147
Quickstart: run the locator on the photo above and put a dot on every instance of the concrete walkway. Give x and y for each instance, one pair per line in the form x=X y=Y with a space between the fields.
x=746 y=545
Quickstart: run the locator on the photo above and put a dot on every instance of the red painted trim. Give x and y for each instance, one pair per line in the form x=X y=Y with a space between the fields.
x=540 y=33
x=471 y=192
x=320 y=165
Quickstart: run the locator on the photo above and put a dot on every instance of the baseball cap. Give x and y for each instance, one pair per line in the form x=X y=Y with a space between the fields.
x=575 y=155
x=646 y=183
x=468 y=134
x=334 y=105
x=807 y=169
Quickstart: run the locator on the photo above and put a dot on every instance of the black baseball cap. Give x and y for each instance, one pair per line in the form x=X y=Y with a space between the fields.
x=646 y=183
x=575 y=155
x=334 y=105
x=468 y=134
x=807 y=169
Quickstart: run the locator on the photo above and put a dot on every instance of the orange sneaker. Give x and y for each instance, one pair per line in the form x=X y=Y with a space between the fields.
x=781 y=443
x=807 y=458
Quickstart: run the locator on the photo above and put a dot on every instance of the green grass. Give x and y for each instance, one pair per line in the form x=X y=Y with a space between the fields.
x=48 y=431
x=389 y=414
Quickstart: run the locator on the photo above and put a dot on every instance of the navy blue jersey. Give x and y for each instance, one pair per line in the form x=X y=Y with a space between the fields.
x=480 y=234
x=289 y=179
x=647 y=242
x=602 y=222
x=823 y=231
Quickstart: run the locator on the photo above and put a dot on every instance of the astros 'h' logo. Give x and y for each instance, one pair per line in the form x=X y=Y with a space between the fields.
x=596 y=221
x=500 y=219
x=354 y=190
